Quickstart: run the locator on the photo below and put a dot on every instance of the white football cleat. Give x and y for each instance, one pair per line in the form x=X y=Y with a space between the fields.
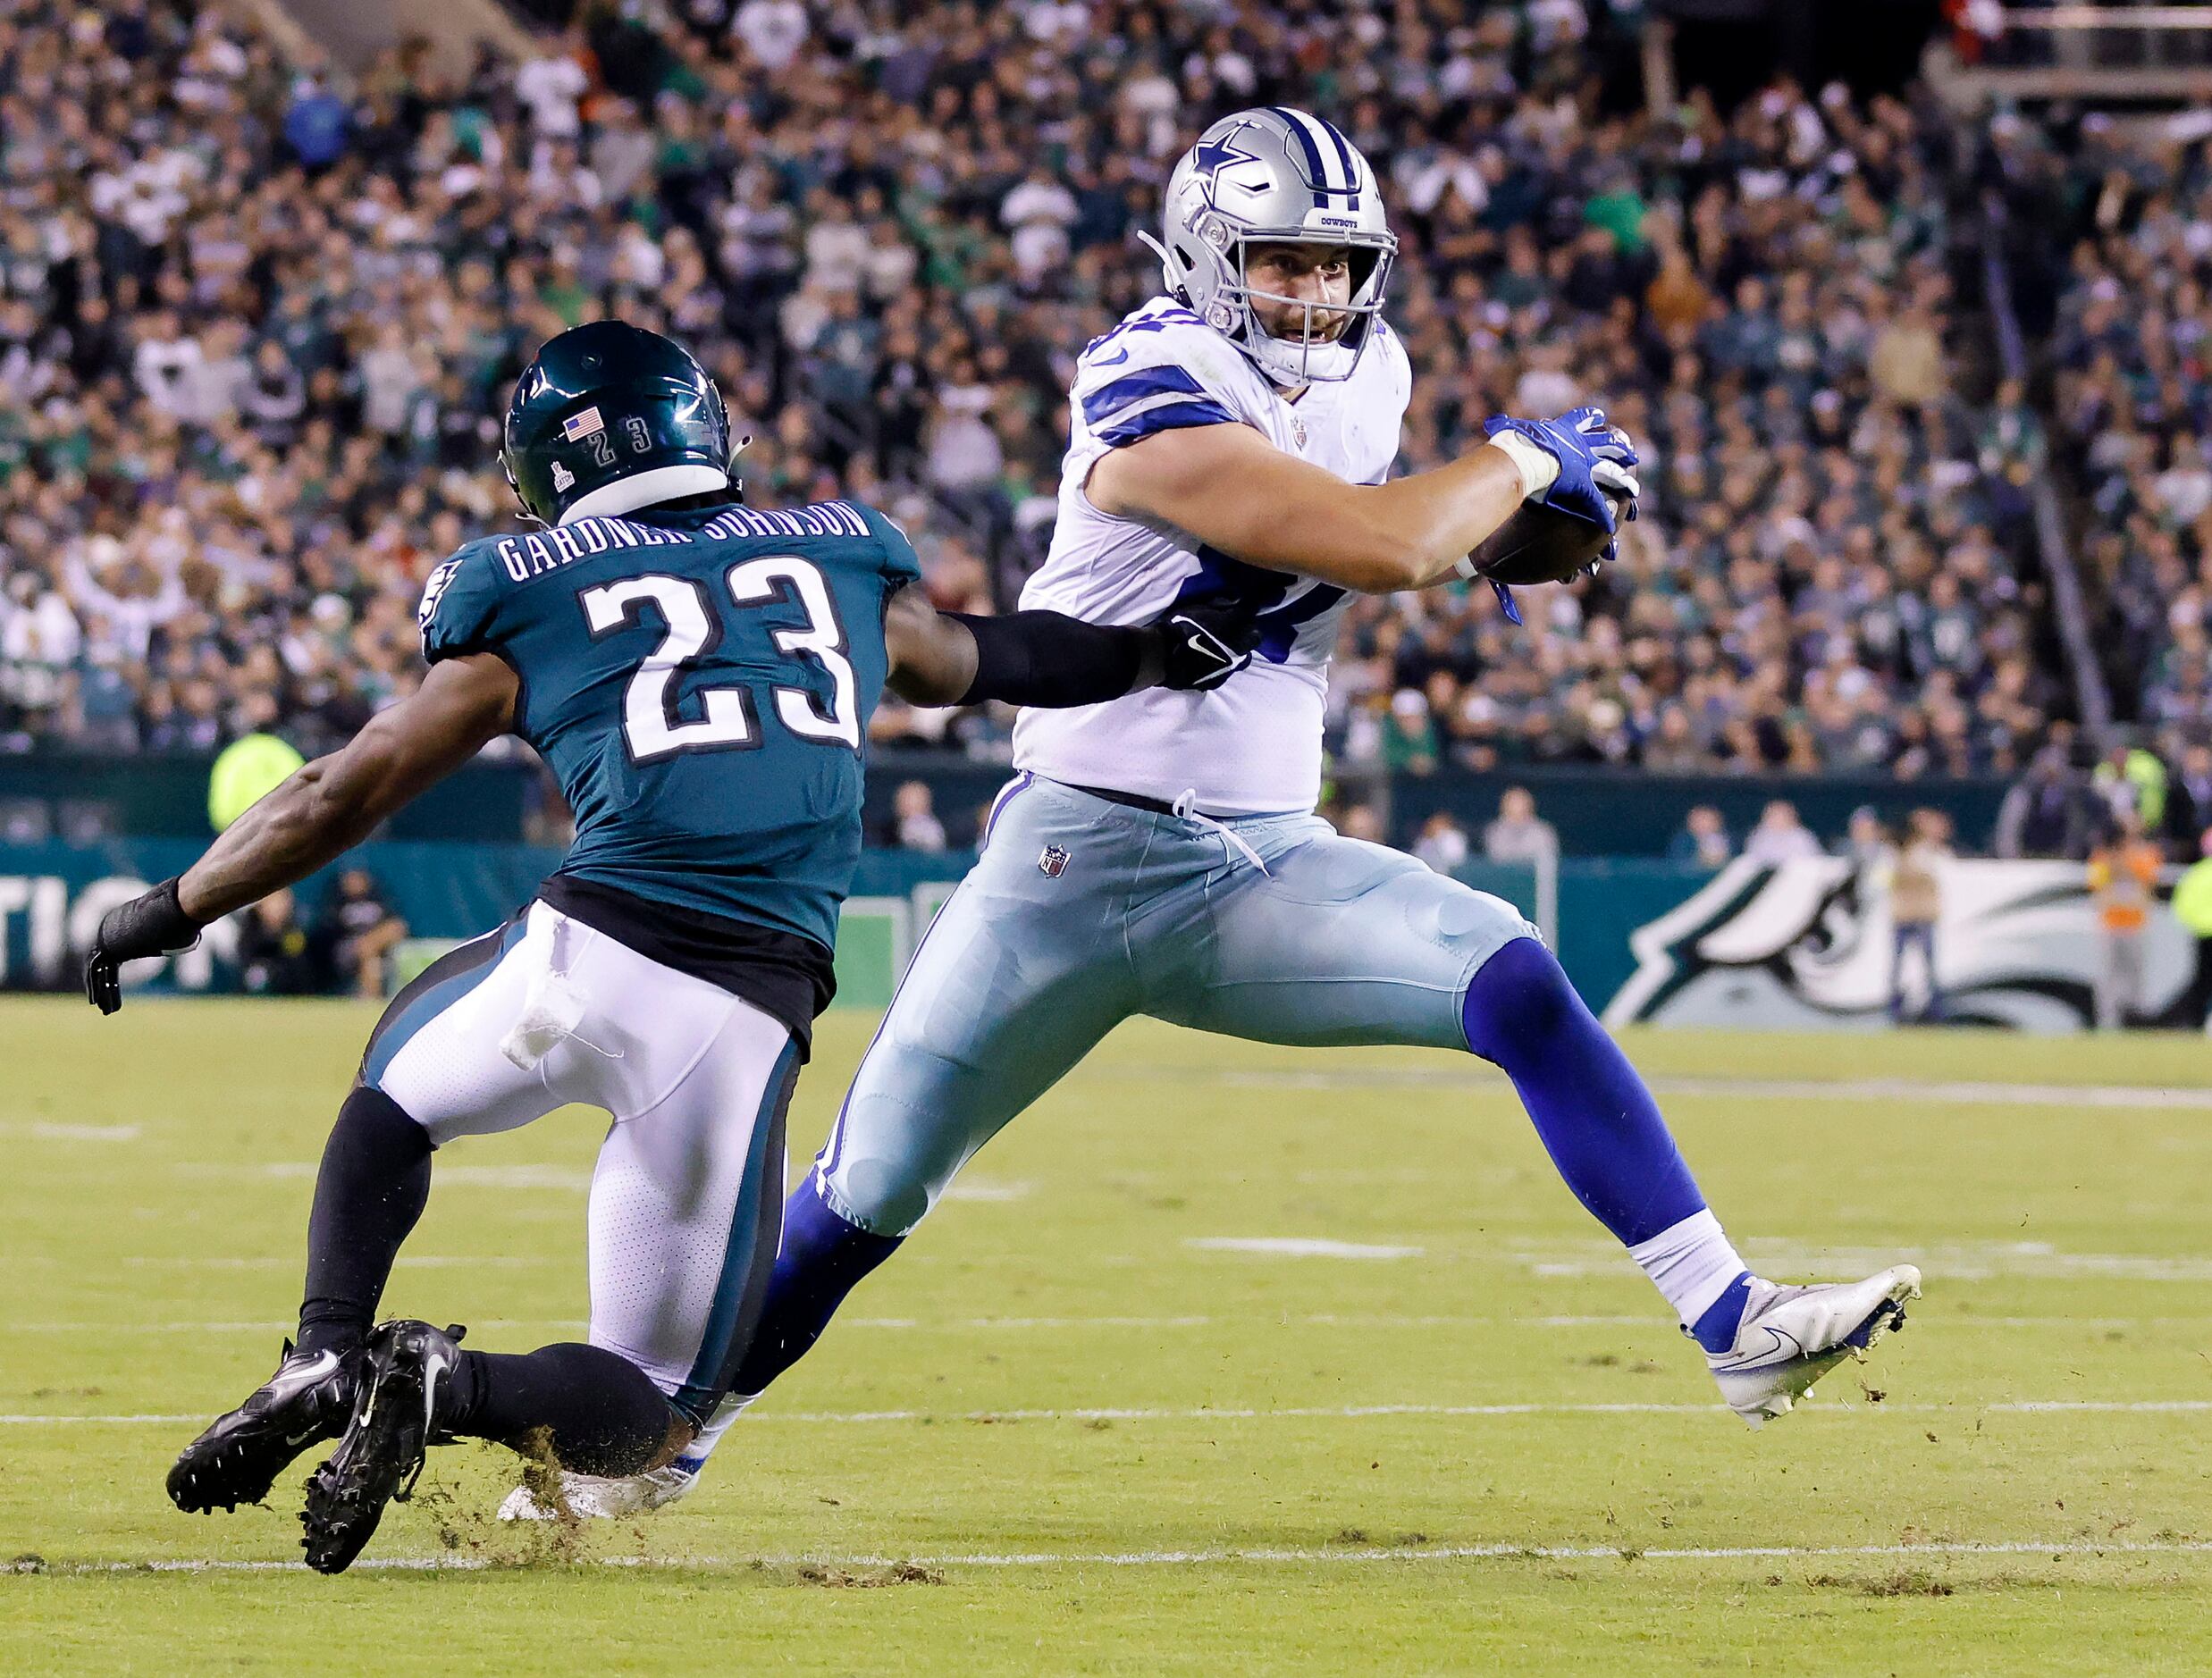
x=595 y=1497
x=1790 y=1336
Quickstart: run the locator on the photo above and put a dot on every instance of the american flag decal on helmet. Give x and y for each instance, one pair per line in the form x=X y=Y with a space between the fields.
x=1053 y=863
x=577 y=427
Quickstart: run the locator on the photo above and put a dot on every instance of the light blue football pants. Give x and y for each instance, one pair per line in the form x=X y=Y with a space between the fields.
x=1082 y=912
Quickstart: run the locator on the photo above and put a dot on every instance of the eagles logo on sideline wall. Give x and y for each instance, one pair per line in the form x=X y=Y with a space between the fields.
x=1806 y=945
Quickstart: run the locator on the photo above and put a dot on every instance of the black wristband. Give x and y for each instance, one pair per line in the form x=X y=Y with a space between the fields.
x=1051 y=659
x=152 y=924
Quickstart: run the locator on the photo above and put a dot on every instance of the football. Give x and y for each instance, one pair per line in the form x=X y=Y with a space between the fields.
x=1541 y=544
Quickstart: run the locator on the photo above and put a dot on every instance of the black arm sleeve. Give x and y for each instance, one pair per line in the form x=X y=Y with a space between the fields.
x=1050 y=660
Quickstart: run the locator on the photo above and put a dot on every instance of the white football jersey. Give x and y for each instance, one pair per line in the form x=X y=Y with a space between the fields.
x=1253 y=745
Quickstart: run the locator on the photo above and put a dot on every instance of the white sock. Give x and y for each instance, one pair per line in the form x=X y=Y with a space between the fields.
x=694 y=1457
x=1690 y=1263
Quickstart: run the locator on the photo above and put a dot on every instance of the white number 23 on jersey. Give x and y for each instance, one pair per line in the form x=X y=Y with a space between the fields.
x=650 y=726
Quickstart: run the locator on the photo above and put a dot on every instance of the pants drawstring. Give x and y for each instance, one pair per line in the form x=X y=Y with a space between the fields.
x=1186 y=808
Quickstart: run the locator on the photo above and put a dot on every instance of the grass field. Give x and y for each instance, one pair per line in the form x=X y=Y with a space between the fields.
x=1075 y=1427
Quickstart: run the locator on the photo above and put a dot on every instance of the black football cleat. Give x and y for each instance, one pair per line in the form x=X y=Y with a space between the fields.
x=238 y=1457
x=406 y=1398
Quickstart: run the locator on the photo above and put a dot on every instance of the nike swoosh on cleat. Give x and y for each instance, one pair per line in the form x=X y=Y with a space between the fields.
x=1782 y=1348
x=433 y=1366
x=282 y=1387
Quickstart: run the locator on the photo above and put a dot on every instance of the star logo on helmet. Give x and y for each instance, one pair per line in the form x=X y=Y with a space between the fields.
x=1212 y=157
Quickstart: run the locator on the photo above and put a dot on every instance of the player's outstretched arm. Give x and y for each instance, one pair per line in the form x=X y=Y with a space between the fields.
x=1232 y=488
x=319 y=812
x=1050 y=660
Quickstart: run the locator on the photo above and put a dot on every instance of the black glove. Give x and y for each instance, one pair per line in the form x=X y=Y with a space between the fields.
x=152 y=924
x=1204 y=643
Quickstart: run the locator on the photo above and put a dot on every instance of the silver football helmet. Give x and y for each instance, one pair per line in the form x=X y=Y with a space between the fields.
x=1273 y=175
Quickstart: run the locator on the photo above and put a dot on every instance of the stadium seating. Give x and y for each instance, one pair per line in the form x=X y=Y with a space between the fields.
x=2134 y=396
x=249 y=374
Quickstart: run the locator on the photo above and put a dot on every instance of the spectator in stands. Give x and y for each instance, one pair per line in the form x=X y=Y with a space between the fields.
x=2131 y=778
x=1866 y=842
x=2188 y=804
x=1780 y=837
x=772 y=30
x=275 y=955
x=2123 y=882
x=1906 y=365
x=2048 y=812
x=1915 y=882
x=1519 y=834
x=1704 y=840
x=913 y=808
x=1410 y=734
x=356 y=936
x=1442 y=843
x=317 y=124
x=1361 y=821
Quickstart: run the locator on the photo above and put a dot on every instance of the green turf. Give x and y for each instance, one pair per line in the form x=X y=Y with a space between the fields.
x=157 y=1172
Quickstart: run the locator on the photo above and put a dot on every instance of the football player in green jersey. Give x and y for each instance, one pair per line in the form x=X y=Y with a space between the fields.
x=698 y=674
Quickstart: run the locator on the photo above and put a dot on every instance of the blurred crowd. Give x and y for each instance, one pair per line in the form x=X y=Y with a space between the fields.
x=255 y=330
x=1827 y=574
x=2133 y=396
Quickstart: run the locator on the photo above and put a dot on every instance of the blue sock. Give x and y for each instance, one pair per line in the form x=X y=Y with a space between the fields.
x=1715 y=1330
x=821 y=1260
x=1597 y=1119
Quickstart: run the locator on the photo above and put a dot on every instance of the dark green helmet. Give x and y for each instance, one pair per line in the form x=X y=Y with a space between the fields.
x=606 y=404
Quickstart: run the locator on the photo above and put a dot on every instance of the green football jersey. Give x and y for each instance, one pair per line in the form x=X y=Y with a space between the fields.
x=700 y=683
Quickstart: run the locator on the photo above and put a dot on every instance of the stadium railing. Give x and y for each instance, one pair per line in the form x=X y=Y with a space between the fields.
x=2069 y=608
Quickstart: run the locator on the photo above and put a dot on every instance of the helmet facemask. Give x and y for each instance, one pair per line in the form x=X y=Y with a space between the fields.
x=1308 y=354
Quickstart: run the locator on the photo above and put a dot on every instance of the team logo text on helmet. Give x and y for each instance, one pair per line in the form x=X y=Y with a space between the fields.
x=1277 y=176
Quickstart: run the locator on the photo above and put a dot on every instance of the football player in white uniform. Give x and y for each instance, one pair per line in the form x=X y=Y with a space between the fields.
x=1158 y=854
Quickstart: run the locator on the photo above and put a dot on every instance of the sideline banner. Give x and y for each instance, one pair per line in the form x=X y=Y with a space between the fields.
x=53 y=895
x=1808 y=945
x=1805 y=945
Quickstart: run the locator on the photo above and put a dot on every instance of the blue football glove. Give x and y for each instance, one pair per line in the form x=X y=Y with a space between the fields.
x=1594 y=457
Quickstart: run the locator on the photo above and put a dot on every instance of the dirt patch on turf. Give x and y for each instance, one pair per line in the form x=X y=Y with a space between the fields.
x=1921 y=1581
x=1907 y=1582
x=869 y=1578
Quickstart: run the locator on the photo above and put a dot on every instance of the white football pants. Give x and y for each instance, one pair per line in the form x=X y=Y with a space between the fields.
x=686 y=1202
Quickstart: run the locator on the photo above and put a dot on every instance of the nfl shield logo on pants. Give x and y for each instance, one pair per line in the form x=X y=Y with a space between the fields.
x=1053 y=863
